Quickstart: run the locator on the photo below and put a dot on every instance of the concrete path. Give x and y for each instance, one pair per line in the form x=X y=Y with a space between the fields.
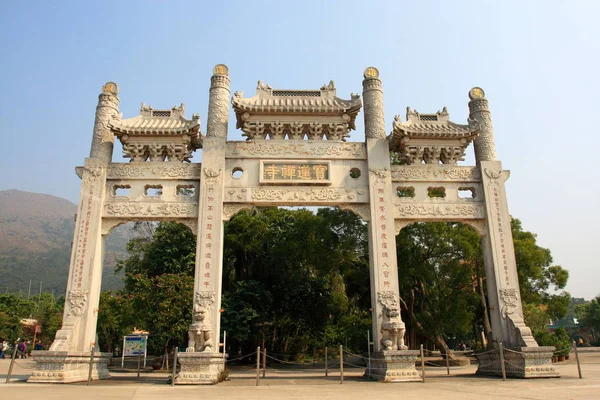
x=289 y=384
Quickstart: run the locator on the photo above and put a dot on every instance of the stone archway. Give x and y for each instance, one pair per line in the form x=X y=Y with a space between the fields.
x=295 y=154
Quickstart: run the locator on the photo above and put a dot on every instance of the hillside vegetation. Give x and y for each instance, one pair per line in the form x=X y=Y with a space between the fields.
x=36 y=231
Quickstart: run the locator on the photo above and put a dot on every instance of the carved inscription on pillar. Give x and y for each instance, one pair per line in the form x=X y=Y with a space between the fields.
x=497 y=222
x=380 y=218
x=91 y=183
x=211 y=220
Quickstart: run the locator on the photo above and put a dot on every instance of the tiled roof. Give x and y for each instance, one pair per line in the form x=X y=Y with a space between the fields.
x=430 y=126
x=283 y=101
x=158 y=122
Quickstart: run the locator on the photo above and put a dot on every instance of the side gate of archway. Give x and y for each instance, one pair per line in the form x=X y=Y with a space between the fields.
x=295 y=154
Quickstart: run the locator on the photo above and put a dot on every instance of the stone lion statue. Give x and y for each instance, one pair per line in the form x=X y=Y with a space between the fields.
x=392 y=327
x=200 y=332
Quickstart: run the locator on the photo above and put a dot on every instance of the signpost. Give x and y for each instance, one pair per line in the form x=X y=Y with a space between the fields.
x=134 y=346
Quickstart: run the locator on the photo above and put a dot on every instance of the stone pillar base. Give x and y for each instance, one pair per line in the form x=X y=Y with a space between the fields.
x=520 y=362
x=68 y=366
x=394 y=366
x=200 y=368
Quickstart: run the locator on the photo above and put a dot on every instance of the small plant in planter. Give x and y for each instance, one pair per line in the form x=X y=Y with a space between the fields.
x=562 y=342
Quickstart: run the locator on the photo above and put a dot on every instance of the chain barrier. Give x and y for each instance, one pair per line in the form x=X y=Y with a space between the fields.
x=240 y=358
x=289 y=362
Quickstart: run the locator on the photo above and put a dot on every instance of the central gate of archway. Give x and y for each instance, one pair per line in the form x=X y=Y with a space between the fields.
x=295 y=155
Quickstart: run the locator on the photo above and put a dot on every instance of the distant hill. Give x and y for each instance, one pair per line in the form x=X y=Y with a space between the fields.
x=36 y=231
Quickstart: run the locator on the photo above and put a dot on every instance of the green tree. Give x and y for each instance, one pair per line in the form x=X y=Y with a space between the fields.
x=159 y=278
x=435 y=268
x=115 y=319
x=537 y=276
x=589 y=314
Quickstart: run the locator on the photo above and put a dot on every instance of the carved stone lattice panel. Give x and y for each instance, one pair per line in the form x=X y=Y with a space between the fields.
x=155 y=210
x=296 y=149
x=402 y=173
x=151 y=170
x=310 y=195
x=440 y=211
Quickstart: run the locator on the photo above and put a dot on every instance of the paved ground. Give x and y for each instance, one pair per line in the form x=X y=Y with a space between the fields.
x=311 y=384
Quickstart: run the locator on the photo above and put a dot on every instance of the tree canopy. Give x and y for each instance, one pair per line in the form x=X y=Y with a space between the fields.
x=299 y=279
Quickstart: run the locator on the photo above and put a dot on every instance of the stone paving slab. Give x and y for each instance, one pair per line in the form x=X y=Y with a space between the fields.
x=311 y=383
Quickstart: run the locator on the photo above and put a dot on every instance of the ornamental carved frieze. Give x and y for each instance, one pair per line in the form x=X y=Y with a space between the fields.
x=156 y=151
x=280 y=130
x=434 y=172
x=109 y=224
x=77 y=301
x=230 y=209
x=151 y=210
x=180 y=171
x=441 y=210
x=302 y=195
x=297 y=150
x=402 y=223
x=362 y=210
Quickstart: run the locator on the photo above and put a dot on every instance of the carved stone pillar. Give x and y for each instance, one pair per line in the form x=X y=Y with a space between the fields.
x=479 y=114
x=107 y=109
x=395 y=363
x=528 y=360
x=68 y=357
x=204 y=365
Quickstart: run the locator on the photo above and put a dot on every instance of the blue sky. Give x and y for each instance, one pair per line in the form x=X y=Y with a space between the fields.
x=537 y=61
